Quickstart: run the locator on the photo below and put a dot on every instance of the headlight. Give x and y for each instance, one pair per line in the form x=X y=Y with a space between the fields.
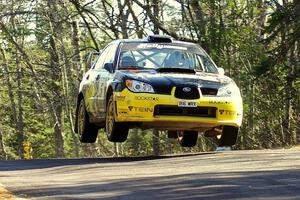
x=229 y=90
x=138 y=86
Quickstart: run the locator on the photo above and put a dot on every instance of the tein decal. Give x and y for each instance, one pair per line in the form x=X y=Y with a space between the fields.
x=227 y=112
x=140 y=109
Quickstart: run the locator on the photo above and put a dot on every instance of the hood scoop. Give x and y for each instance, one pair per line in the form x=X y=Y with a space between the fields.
x=176 y=70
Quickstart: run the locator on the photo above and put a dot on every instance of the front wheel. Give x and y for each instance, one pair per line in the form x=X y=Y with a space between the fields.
x=116 y=132
x=187 y=138
x=87 y=131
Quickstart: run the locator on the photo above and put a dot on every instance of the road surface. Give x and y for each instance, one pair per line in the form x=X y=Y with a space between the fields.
x=259 y=174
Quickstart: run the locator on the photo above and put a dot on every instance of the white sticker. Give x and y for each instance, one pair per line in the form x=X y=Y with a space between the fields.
x=160 y=46
x=187 y=104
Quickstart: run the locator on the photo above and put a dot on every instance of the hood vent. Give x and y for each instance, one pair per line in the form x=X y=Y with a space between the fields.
x=176 y=70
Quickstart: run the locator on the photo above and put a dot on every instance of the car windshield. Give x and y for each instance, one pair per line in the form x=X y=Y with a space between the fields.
x=165 y=55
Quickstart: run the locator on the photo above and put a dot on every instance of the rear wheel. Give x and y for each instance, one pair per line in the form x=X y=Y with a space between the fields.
x=229 y=136
x=187 y=138
x=87 y=131
x=116 y=132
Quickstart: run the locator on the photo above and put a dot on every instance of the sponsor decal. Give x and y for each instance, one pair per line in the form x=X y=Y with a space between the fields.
x=218 y=102
x=227 y=112
x=140 y=109
x=122 y=111
x=146 y=98
x=120 y=98
x=160 y=46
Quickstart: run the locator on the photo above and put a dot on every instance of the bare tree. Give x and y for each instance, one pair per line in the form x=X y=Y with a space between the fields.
x=2 y=147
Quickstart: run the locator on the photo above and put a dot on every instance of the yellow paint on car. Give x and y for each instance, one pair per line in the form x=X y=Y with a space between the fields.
x=139 y=107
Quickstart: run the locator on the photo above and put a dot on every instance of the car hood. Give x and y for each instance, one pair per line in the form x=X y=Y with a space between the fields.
x=200 y=79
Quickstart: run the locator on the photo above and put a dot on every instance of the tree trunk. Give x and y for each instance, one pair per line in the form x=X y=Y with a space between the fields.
x=156 y=14
x=76 y=51
x=17 y=115
x=138 y=30
x=298 y=131
x=20 y=120
x=77 y=5
x=66 y=80
x=77 y=66
x=155 y=142
x=2 y=147
x=116 y=149
x=201 y=23
x=288 y=86
x=287 y=110
x=57 y=106
x=250 y=132
x=123 y=18
x=213 y=25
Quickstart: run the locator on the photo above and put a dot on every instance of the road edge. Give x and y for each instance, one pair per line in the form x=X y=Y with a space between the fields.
x=7 y=195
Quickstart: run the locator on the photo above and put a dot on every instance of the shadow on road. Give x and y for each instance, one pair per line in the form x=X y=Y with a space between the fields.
x=47 y=163
x=282 y=184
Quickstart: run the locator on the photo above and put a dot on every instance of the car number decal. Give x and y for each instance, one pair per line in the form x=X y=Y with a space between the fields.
x=187 y=104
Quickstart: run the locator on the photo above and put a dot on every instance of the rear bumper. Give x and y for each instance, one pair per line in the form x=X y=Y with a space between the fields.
x=142 y=108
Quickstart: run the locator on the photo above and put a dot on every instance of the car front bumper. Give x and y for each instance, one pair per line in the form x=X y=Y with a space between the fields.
x=143 y=109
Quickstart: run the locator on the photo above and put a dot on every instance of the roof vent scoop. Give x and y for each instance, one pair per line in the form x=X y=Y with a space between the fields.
x=159 y=38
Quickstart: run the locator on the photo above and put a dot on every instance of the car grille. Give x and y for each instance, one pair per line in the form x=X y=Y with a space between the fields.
x=192 y=94
x=162 y=110
x=209 y=91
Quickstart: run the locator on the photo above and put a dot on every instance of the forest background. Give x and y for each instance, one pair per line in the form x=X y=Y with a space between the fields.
x=43 y=44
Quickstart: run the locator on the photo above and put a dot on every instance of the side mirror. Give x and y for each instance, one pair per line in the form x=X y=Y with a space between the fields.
x=91 y=59
x=109 y=67
x=221 y=71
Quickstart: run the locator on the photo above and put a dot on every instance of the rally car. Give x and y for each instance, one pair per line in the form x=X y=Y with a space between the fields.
x=158 y=83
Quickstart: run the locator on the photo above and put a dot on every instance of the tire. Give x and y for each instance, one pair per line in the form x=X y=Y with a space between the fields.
x=187 y=138
x=87 y=131
x=116 y=132
x=229 y=136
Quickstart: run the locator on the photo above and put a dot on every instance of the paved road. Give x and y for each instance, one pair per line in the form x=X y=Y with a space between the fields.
x=264 y=174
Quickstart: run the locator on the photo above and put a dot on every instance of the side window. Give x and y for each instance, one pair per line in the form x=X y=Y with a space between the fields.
x=102 y=58
x=110 y=56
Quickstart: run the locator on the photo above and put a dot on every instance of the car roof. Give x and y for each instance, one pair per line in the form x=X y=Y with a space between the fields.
x=177 y=42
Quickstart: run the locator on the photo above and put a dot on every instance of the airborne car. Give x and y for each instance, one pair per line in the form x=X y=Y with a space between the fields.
x=158 y=83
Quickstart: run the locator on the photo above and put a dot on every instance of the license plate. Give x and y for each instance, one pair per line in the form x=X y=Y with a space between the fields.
x=187 y=104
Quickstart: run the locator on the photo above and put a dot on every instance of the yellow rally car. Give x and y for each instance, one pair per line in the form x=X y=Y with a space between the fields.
x=158 y=83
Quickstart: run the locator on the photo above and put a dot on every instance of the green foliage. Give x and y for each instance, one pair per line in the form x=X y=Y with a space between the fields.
x=256 y=42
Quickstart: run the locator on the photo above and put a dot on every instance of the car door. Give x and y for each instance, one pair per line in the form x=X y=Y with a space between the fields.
x=95 y=88
x=105 y=77
x=86 y=85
